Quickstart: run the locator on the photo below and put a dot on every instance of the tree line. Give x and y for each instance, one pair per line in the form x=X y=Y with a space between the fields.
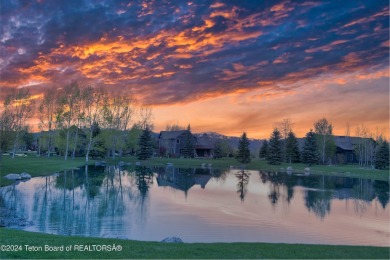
x=319 y=146
x=74 y=121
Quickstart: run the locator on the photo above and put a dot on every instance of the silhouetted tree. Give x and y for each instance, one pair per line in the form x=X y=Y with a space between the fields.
x=264 y=150
x=243 y=153
x=324 y=131
x=275 y=148
x=145 y=145
x=309 y=153
x=292 y=149
x=218 y=153
x=382 y=156
x=188 y=150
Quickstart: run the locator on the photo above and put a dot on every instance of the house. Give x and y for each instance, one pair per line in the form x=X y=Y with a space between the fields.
x=349 y=149
x=204 y=146
x=172 y=144
x=344 y=149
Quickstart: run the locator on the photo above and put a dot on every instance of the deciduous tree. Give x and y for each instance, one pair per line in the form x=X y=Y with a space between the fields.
x=324 y=131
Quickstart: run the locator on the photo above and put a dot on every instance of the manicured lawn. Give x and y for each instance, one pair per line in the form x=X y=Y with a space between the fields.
x=39 y=166
x=258 y=164
x=154 y=250
x=36 y=166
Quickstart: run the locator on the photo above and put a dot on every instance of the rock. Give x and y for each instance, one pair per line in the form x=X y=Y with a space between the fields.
x=100 y=163
x=121 y=163
x=307 y=170
x=138 y=163
x=25 y=175
x=172 y=240
x=13 y=176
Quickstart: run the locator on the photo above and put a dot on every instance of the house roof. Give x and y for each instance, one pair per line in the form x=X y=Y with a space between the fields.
x=204 y=142
x=343 y=142
x=171 y=134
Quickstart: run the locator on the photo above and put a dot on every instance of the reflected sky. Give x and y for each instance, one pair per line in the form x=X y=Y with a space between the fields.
x=204 y=205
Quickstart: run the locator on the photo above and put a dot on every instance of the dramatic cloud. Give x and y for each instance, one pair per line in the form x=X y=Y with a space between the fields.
x=178 y=52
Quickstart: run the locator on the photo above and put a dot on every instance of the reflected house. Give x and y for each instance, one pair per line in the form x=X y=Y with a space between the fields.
x=181 y=179
x=172 y=144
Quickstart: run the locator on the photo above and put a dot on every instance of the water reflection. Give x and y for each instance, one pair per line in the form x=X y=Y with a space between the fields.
x=133 y=202
x=321 y=190
x=242 y=183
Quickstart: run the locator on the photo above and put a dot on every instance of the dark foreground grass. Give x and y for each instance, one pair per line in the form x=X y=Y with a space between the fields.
x=153 y=250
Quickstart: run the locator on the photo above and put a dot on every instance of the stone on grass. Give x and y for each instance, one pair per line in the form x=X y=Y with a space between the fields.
x=25 y=175
x=13 y=176
x=172 y=240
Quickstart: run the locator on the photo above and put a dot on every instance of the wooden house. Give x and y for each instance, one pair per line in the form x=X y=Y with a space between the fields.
x=172 y=143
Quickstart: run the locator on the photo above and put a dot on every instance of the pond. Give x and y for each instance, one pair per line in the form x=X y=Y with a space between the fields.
x=203 y=205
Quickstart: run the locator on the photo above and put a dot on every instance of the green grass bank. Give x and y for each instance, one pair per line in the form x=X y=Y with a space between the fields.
x=154 y=250
x=40 y=166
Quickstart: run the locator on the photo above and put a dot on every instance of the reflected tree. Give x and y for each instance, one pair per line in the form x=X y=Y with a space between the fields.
x=319 y=200
x=381 y=189
x=144 y=178
x=242 y=183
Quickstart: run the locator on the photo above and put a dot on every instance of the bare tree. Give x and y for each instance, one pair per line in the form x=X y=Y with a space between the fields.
x=47 y=115
x=174 y=127
x=117 y=114
x=93 y=102
x=365 y=147
x=6 y=132
x=347 y=130
x=18 y=107
x=145 y=115
x=285 y=128
x=67 y=113
x=324 y=129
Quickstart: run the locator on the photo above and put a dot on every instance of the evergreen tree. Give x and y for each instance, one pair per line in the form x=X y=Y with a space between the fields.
x=292 y=149
x=145 y=145
x=275 y=148
x=243 y=153
x=309 y=153
x=382 y=156
x=264 y=150
x=218 y=153
x=188 y=150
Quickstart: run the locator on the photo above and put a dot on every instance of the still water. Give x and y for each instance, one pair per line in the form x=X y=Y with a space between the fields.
x=204 y=205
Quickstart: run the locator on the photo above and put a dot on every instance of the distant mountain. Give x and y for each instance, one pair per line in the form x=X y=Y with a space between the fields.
x=254 y=144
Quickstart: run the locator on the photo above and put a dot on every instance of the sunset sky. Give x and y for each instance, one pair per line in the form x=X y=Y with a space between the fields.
x=223 y=66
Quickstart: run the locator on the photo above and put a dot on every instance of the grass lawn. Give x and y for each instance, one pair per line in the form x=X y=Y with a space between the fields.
x=257 y=164
x=39 y=166
x=35 y=166
x=139 y=249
